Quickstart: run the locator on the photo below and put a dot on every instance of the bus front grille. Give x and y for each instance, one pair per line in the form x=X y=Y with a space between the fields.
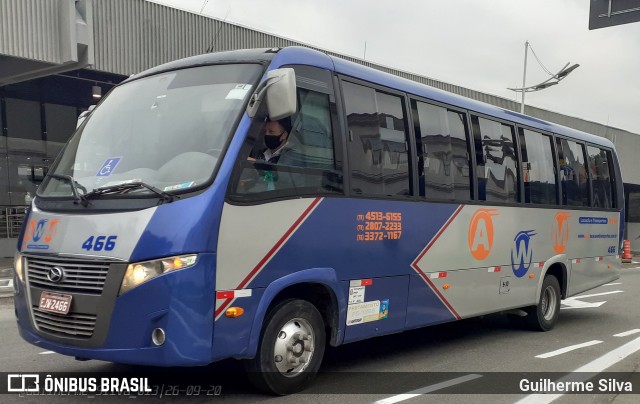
x=73 y=325
x=77 y=276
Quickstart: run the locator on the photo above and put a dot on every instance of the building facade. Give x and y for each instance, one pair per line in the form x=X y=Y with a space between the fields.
x=57 y=57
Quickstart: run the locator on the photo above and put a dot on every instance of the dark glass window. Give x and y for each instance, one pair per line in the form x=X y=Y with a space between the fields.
x=4 y=164
x=378 y=154
x=601 y=176
x=634 y=207
x=573 y=173
x=497 y=165
x=21 y=177
x=443 y=152
x=23 y=126
x=5 y=193
x=538 y=168
x=3 y=138
x=60 y=124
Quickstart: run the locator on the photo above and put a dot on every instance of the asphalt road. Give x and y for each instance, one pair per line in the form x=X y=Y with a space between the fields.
x=598 y=331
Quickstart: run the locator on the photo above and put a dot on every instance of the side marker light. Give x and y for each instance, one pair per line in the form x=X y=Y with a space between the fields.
x=233 y=312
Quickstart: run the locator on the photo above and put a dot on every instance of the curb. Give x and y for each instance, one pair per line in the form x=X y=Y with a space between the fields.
x=6 y=272
x=6 y=287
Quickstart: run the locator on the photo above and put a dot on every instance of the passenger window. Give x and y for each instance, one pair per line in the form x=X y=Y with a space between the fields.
x=601 y=176
x=443 y=152
x=538 y=168
x=496 y=161
x=573 y=173
x=377 y=142
x=311 y=140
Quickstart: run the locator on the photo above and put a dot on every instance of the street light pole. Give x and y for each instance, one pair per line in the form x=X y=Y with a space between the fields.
x=524 y=75
x=564 y=72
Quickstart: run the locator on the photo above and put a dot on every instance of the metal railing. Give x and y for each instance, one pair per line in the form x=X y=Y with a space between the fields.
x=11 y=218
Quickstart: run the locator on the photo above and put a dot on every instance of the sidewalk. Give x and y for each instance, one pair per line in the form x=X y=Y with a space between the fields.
x=6 y=267
x=6 y=277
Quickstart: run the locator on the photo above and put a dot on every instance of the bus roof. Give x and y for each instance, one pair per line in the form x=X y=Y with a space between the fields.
x=262 y=55
x=298 y=55
x=306 y=56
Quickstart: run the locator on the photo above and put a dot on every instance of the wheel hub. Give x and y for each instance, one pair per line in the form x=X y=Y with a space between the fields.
x=294 y=347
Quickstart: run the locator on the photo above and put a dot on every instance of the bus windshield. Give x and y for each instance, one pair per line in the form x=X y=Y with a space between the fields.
x=166 y=131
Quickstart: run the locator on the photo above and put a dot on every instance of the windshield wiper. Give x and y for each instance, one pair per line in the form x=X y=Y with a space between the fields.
x=128 y=186
x=75 y=185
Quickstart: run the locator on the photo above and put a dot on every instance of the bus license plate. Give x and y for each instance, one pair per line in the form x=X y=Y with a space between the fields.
x=55 y=303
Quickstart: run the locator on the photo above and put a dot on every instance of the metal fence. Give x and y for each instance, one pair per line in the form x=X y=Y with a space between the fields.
x=11 y=218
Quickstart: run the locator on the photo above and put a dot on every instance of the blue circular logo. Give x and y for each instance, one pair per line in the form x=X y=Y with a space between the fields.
x=522 y=253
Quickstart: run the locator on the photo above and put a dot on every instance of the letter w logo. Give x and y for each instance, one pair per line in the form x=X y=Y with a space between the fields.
x=40 y=229
x=522 y=253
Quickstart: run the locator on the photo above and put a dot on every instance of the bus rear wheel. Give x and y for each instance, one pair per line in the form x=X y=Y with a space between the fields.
x=544 y=316
x=291 y=348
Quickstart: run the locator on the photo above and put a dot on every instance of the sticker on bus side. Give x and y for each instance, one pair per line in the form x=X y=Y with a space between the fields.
x=363 y=312
x=356 y=295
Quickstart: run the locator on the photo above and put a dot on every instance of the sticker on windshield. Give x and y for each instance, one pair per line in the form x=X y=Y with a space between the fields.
x=239 y=92
x=184 y=185
x=113 y=183
x=109 y=165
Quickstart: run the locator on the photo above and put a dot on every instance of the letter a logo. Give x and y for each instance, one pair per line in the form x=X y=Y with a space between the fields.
x=560 y=235
x=480 y=233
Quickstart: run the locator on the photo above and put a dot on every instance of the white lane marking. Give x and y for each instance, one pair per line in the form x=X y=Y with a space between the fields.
x=611 y=284
x=626 y=333
x=579 y=304
x=428 y=389
x=46 y=352
x=596 y=366
x=568 y=349
x=575 y=302
x=634 y=267
x=597 y=294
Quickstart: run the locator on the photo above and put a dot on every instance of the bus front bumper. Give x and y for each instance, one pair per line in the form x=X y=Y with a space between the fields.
x=180 y=303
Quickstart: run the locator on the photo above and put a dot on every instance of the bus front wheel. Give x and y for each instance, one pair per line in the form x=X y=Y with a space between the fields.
x=543 y=317
x=291 y=348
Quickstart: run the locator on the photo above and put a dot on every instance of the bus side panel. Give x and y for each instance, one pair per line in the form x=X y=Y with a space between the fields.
x=589 y=273
x=592 y=245
x=377 y=308
x=490 y=258
x=359 y=238
x=424 y=307
x=231 y=336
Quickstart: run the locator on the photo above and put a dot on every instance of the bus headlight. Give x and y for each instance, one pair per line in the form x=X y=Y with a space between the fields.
x=140 y=272
x=18 y=265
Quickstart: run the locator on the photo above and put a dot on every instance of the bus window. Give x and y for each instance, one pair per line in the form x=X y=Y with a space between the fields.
x=538 y=167
x=496 y=159
x=599 y=168
x=573 y=173
x=306 y=164
x=442 y=142
x=378 y=154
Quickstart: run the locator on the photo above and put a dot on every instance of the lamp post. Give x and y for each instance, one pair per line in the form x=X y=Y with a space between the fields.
x=552 y=81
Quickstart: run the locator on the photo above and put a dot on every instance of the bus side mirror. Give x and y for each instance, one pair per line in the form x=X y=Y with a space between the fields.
x=280 y=94
x=84 y=115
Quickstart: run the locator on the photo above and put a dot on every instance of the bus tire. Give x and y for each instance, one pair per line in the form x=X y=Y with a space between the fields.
x=291 y=348
x=544 y=315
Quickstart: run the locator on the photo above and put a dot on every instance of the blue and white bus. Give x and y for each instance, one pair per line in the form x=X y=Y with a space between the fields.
x=157 y=239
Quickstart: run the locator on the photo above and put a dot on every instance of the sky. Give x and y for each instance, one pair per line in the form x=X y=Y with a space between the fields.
x=478 y=44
